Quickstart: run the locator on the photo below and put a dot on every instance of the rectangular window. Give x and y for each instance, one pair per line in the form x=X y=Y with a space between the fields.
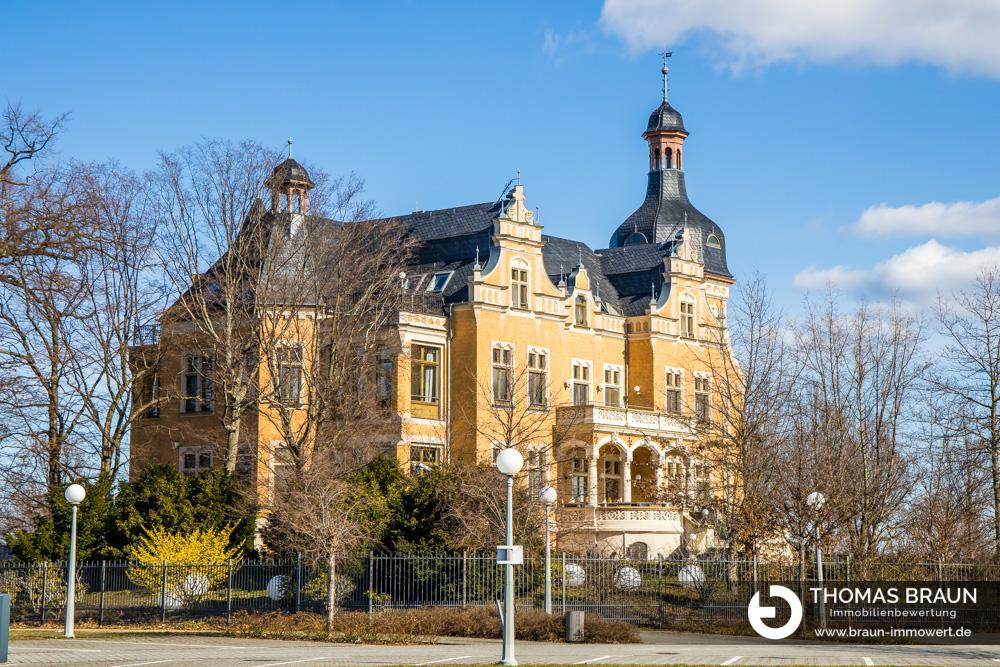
x=195 y=459
x=519 y=288
x=537 y=471
x=580 y=479
x=687 y=319
x=538 y=378
x=197 y=382
x=702 y=400
x=613 y=386
x=612 y=480
x=438 y=282
x=384 y=379
x=674 y=392
x=425 y=373
x=581 y=383
x=423 y=457
x=580 y=311
x=281 y=467
x=150 y=397
x=289 y=376
x=503 y=369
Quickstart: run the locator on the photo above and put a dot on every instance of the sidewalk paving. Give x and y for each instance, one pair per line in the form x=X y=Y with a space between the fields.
x=658 y=648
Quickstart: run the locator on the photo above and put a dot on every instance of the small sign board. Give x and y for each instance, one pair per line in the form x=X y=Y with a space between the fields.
x=510 y=554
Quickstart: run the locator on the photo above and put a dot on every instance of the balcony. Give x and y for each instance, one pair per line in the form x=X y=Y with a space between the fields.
x=623 y=517
x=623 y=418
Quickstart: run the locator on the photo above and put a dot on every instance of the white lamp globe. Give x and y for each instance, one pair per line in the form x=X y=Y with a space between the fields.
x=75 y=493
x=547 y=495
x=509 y=461
x=816 y=500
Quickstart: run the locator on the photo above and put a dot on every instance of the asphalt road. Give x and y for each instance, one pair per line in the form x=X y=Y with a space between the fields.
x=658 y=648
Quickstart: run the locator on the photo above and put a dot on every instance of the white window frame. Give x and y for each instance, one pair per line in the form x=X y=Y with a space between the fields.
x=281 y=347
x=202 y=405
x=618 y=368
x=516 y=286
x=197 y=451
x=688 y=321
x=707 y=392
x=545 y=373
x=667 y=387
x=508 y=348
x=578 y=299
x=579 y=477
x=537 y=468
x=433 y=279
x=417 y=466
x=589 y=383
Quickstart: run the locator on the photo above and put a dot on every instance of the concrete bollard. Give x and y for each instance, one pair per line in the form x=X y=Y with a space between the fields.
x=4 y=625
x=574 y=626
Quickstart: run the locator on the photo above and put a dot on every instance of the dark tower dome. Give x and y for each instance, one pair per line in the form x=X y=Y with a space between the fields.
x=665 y=119
x=290 y=184
x=290 y=171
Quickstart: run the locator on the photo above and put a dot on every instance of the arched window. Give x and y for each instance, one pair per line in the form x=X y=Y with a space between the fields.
x=679 y=165
x=580 y=311
x=669 y=159
x=637 y=551
x=656 y=158
x=635 y=238
x=713 y=241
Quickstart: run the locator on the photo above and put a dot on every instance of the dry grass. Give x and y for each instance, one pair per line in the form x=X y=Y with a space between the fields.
x=406 y=626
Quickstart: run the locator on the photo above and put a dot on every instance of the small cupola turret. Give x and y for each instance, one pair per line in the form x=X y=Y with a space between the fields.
x=665 y=130
x=290 y=184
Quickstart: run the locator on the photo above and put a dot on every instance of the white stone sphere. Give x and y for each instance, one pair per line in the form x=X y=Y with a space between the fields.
x=574 y=575
x=691 y=576
x=277 y=586
x=628 y=579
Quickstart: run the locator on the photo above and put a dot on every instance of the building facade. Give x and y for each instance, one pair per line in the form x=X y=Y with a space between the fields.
x=601 y=365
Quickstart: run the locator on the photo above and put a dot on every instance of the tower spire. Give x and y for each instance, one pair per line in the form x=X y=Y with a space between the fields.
x=290 y=147
x=666 y=72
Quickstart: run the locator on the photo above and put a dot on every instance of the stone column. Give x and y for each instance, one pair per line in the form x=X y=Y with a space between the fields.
x=659 y=477
x=592 y=484
x=627 y=478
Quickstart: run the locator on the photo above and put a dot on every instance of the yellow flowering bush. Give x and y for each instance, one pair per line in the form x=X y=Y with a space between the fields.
x=194 y=562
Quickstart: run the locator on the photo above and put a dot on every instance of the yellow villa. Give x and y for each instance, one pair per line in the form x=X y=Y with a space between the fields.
x=607 y=353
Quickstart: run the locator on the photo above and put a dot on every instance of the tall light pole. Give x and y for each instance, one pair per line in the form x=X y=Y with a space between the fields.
x=548 y=496
x=75 y=493
x=509 y=462
x=816 y=500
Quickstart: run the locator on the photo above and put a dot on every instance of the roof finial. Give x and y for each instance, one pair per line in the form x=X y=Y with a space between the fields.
x=477 y=266
x=579 y=250
x=652 y=292
x=289 y=148
x=518 y=176
x=666 y=72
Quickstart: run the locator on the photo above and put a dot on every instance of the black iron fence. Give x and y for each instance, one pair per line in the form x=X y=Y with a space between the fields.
x=657 y=593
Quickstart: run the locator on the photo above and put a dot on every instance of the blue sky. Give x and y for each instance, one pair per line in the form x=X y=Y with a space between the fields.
x=799 y=121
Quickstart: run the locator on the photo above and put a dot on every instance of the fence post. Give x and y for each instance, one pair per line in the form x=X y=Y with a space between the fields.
x=755 y=580
x=562 y=576
x=298 y=583
x=45 y=588
x=371 y=582
x=100 y=600
x=229 y=591
x=465 y=577
x=163 y=592
x=659 y=587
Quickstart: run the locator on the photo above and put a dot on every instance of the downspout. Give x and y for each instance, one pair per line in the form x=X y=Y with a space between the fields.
x=451 y=334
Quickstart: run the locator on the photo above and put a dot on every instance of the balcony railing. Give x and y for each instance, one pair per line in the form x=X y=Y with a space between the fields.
x=146 y=334
x=632 y=517
x=643 y=420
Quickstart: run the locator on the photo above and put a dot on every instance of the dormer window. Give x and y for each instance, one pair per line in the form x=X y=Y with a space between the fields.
x=713 y=241
x=580 y=311
x=438 y=281
x=519 y=288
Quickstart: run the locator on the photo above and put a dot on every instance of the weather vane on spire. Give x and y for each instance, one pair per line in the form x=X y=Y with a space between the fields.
x=289 y=148
x=666 y=72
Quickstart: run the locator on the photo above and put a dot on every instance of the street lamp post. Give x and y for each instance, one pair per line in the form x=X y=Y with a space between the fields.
x=548 y=496
x=509 y=462
x=75 y=493
x=816 y=500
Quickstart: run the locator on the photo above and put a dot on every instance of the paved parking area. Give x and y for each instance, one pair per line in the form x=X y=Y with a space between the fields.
x=658 y=648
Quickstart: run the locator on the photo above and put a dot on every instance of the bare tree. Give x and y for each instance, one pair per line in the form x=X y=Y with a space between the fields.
x=969 y=372
x=753 y=375
x=326 y=516
x=208 y=201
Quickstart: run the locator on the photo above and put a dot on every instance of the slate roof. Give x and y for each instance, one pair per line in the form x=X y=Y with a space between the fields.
x=665 y=118
x=289 y=170
x=665 y=211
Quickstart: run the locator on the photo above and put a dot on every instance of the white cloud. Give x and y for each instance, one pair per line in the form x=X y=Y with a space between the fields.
x=919 y=272
x=943 y=219
x=959 y=35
